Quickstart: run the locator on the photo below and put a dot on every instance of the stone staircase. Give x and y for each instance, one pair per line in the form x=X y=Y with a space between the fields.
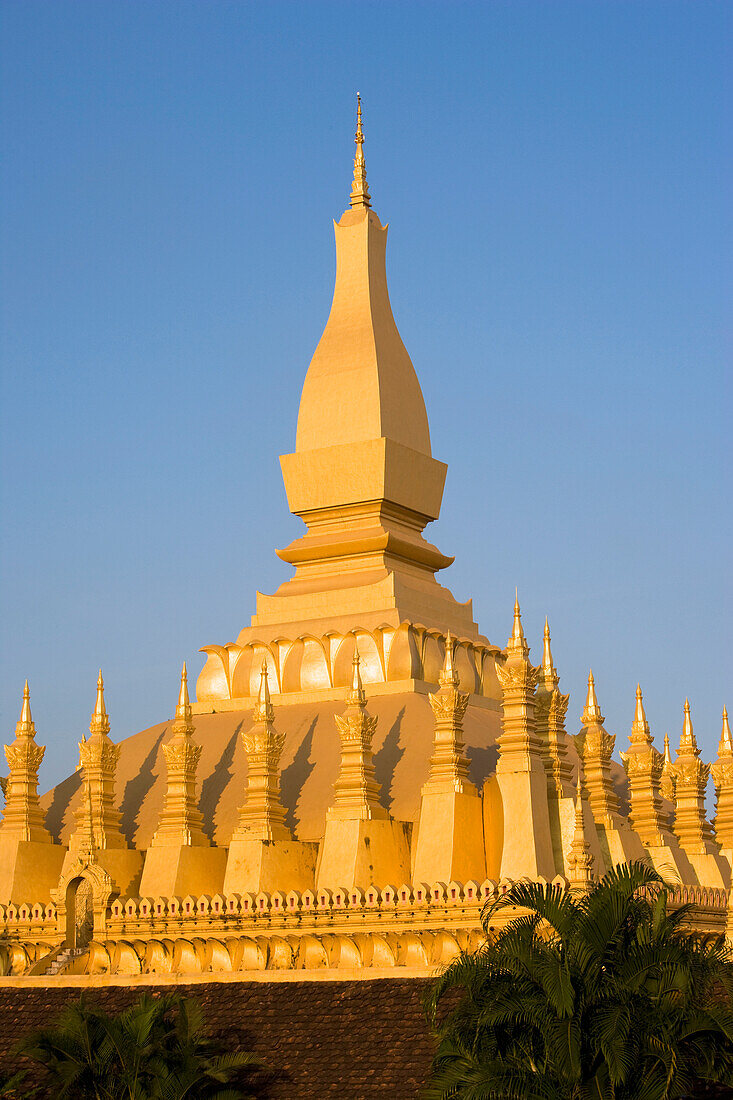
x=59 y=963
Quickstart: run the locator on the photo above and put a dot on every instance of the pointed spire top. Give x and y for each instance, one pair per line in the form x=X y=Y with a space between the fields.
x=100 y=718
x=592 y=713
x=687 y=740
x=640 y=728
x=667 y=753
x=360 y=189
x=264 y=710
x=517 y=644
x=448 y=676
x=356 y=696
x=99 y=708
x=183 y=709
x=25 y=726
x=726 y=742
x=548 y=673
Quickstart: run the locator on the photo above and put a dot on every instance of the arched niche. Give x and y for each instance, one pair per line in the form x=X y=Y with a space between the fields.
x=314 y=673
x=370 y=663
x=404 y=658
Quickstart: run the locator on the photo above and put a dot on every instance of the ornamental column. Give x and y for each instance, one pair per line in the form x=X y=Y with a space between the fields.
x=30 y=860
x=362 y=846
x=643 y=765
x=516 y=814
x=97 y=836
x=580 y=860
x=667 y=783
x=619 y=843
x=693 y=830
x=722 y=772
x=550 y=710
x=263 y=856
x=180 y=860
x=449 y=845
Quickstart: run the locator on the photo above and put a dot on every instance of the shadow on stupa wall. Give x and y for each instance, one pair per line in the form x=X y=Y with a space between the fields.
x=137 y=789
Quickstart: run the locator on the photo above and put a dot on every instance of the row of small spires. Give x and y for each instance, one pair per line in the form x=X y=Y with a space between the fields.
x=517 y=643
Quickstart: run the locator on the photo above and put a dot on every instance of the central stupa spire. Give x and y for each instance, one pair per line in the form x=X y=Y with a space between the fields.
x=362 y=477
x=360 y=189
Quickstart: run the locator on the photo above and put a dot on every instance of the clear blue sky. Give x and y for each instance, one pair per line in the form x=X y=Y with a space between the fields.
x=557 y=181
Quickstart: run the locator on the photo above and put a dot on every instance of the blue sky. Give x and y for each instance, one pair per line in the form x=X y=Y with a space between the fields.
x=557 y=182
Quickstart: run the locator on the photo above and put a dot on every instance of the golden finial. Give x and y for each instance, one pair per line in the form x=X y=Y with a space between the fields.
x=448 y=676
x=264 y=711
x=100 y=718
x=726 y=742
x=517 y=645
x=667 y=753
x=592 y=712
x=357 y=695
x=640 y=727
x=183 y=710
x=687 y=739
x=360 y=189
x=25 y=726
x=548 y=674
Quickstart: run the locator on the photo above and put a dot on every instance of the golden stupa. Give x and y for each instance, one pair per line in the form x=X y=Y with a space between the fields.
x=362 y=768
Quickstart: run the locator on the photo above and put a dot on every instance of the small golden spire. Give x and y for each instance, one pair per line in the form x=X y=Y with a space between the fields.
x=517 y=644
x=183 y=710
x=592 y=712
x=448 y=676
x=360 y=189
x=640 y=727
x=25 y=726
x=687 y=740
x=356 y=696
x=726 y=742
x=667 y=753
x=100 y=718
x=548 y=673
x=264 y=711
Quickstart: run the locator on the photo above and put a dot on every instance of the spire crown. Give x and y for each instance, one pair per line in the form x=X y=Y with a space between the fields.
x=25 y=726
x=448 y=676
x=360 y=196
x=726 y=741
x=548 y=672
x=183 y=709
x=264 y=710
x=100 y=718
x=688 y=740
x=667 y=753
x=640 y=728
x=592 y=712
x=517 y=644
x=356 y=696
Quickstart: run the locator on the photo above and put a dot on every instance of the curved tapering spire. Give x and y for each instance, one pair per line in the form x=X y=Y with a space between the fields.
x=549 y=678
x=100 y=718
x=687 y=740
x=517 y=644
x=667 y=753
x=356 y=696
x=25 y=726
x=726 y=742
x=448 y=676
x=592 y=712
x=264 y=710
x=359 y=189
x=183 y=709
x=640 y=727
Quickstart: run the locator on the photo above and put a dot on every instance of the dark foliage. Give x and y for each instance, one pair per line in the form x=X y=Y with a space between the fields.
x=606 y=996
x=156 y=1049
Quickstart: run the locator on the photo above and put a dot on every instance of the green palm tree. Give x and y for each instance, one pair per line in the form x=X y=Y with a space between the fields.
x=157 y=1049
x=606 y=996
